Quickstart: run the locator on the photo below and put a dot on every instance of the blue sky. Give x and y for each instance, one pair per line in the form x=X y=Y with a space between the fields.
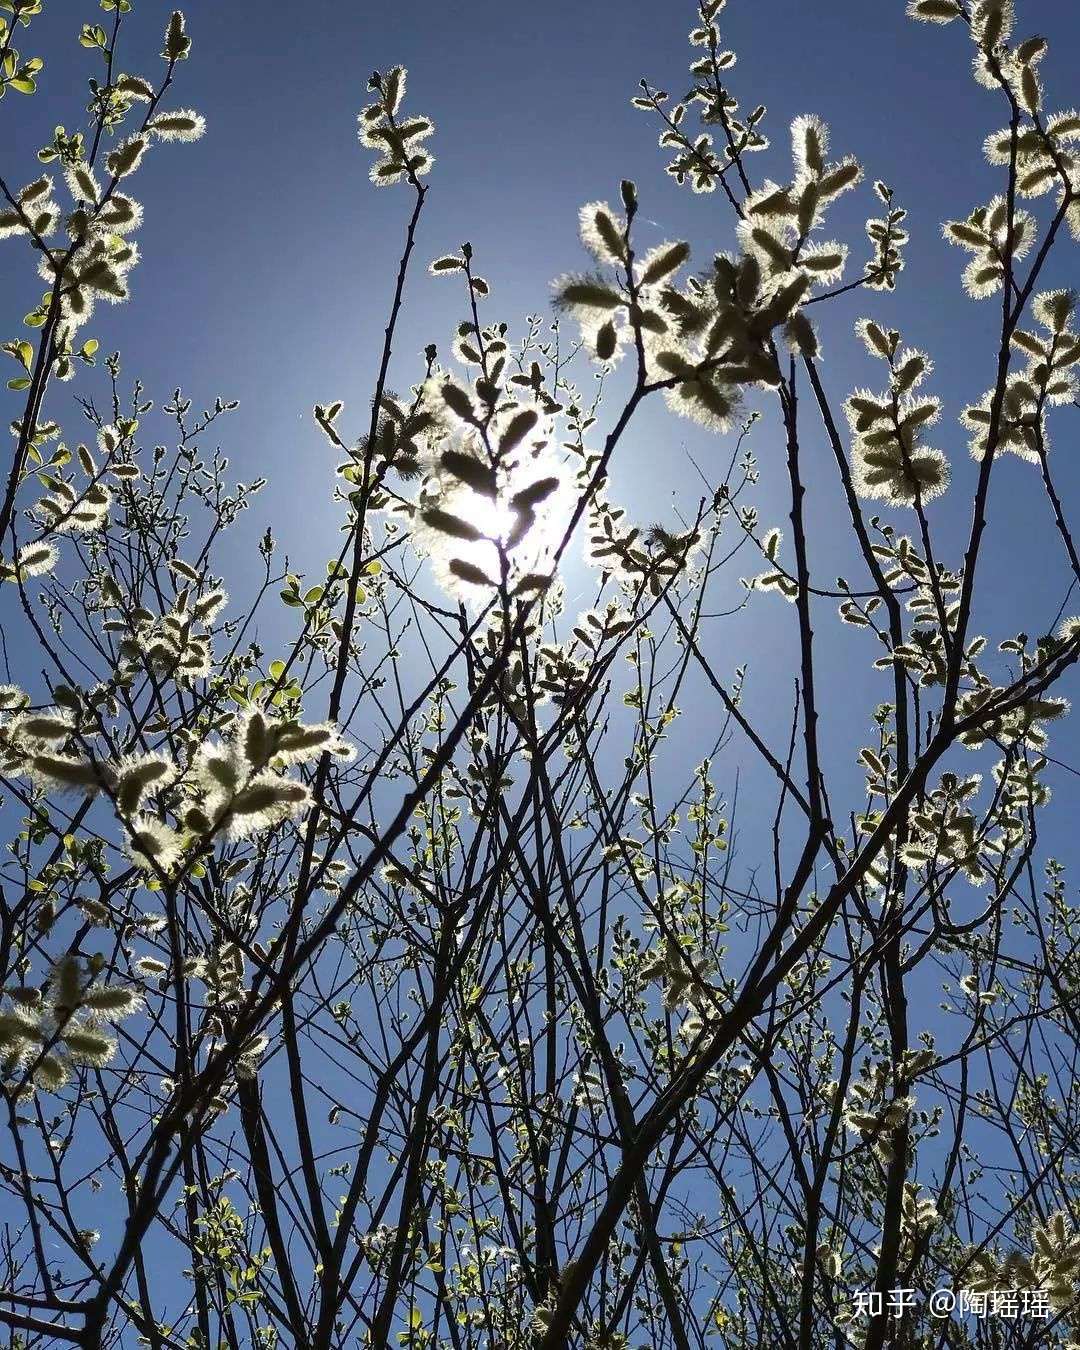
x=268 y=257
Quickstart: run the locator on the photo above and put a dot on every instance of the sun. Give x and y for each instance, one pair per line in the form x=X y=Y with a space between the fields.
x=522 y=528
x=494 y=518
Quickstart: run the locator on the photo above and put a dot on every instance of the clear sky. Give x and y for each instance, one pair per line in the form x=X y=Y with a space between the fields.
x=268 y=257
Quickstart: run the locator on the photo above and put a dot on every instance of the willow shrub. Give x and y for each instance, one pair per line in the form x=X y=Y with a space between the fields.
x=402 y=985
